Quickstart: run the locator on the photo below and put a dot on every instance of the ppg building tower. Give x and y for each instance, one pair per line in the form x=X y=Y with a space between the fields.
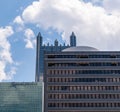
x=81 y=79
x=41 y=49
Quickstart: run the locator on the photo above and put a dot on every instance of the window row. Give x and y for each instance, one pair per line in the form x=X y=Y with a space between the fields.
x=71 y=105
x=84 y=56
x=79 y=111
x=83 y=96
x=68 y=72
x=86 y=88
x=83 y=79
x=83 y=64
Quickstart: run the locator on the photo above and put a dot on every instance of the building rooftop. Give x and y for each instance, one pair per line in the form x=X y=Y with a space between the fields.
x=79 y=48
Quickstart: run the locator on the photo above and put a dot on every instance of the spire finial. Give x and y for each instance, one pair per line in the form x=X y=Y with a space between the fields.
x=39 y=39
x=73 y=33
x=39 y=34
x=56 y=42
x=72 y=39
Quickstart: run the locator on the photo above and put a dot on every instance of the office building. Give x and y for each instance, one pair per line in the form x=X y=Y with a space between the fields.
x=82 y=79
x=40 y=49
x=21 y=97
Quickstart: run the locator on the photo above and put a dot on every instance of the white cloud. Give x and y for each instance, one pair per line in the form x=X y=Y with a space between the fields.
x=18 y=20
x=5 y=54
x=11 y=73
x=30 y=38
x=93 y=25
x=94 y=2
x=19 y=24
x=111 y=5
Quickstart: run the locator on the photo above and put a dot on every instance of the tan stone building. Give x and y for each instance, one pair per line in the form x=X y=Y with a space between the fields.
x=82 y=79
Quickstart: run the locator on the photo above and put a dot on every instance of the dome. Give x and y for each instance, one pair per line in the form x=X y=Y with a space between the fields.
x=79 y=48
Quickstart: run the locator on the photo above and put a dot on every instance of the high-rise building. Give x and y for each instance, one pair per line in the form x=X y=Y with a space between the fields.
x=82 y=79
x=21 y=97
x=40 y=49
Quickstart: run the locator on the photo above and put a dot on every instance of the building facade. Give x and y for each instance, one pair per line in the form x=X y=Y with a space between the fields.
x=82 y=79
x=40 y=49
x=21 y=97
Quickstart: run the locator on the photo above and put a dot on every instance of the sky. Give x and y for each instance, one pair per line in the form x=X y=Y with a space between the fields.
x=96 y=23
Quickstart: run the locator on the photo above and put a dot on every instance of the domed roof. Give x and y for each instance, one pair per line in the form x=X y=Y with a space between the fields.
x=79 y=48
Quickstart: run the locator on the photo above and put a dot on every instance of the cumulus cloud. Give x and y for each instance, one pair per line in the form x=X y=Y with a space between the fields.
x=111 y=5
x=93 y=25
x=30 y=40
x=19 y=24
x=94 y=2
x=18 y=20
x=5 y=54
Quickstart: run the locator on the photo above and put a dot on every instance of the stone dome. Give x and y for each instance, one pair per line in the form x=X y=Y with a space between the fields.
x=79 y=48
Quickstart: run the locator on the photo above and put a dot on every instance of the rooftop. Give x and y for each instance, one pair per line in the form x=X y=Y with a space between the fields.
x=79 y=48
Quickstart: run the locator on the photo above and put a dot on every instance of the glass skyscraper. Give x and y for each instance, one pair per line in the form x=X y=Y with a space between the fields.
x=21 y=97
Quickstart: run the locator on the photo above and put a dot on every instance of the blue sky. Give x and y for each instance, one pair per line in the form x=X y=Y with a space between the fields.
x=96 y=23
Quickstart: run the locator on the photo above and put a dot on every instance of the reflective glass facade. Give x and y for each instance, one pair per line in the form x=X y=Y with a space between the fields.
x=20 y=97
x=41 y=49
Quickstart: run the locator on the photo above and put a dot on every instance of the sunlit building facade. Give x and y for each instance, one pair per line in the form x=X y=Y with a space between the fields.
x=82 y=79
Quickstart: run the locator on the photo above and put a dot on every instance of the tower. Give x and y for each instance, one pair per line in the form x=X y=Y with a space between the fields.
x=41 y=49
x=38 y=49
x=72 y=39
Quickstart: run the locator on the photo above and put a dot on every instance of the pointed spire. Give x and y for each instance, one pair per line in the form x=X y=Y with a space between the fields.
x=39 y=39
x=48 y=44
x=56 y=42
x=72 y=39
x=38 y=49
x=39 y=34
x=73 y=34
